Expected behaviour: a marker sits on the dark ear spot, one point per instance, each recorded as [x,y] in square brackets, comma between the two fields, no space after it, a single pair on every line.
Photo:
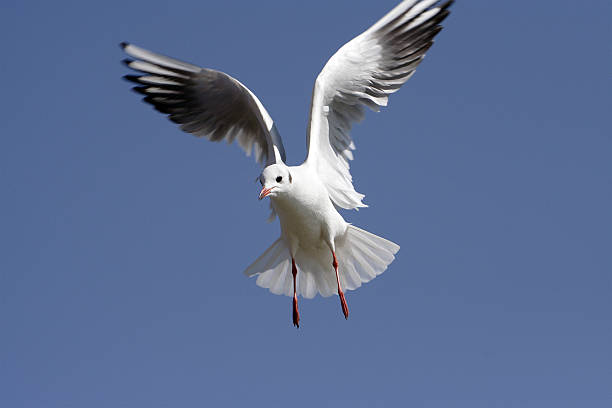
[290,178]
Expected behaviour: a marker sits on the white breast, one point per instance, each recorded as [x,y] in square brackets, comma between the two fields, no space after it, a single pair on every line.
[306,214]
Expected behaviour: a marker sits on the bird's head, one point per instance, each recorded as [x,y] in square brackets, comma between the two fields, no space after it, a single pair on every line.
[275,180]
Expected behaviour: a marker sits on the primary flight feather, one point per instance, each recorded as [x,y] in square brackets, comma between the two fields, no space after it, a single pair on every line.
[317,252]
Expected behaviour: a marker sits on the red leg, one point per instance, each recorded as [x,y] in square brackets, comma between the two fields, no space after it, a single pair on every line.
[340,292]
[296,313]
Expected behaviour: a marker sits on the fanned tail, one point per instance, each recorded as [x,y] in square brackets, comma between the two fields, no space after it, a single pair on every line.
[361,256]
[274,269]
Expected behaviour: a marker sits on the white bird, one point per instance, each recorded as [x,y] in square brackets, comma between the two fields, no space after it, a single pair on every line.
[315,240]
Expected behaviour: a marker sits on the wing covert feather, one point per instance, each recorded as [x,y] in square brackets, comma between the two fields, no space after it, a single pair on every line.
[364,72]
[205,102]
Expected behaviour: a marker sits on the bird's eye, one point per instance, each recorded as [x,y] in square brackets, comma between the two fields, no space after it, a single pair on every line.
[279,179]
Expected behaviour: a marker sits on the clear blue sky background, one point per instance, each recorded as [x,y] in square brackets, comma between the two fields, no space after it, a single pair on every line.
[123,240]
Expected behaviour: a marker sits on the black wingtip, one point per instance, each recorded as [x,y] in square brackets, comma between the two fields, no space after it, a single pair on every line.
[447,4]
[127,62]
[140,89]
[442,15]
[132,78]
[123,45]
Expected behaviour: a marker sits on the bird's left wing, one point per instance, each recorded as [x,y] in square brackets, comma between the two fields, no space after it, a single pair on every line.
[363,73]
[205,102]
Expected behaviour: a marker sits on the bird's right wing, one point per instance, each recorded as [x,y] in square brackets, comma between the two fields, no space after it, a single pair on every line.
[363,73]
[206,103]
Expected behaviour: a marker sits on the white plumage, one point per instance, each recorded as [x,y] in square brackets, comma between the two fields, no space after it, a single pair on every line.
[317,252]
[365,256]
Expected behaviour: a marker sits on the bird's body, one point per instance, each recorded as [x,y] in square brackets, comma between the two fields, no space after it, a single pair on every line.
[306,214]
[315,239]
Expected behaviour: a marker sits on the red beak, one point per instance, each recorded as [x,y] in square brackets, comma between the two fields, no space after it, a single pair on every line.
[264,192]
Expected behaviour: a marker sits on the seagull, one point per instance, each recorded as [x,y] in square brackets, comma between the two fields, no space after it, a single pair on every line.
[317,252]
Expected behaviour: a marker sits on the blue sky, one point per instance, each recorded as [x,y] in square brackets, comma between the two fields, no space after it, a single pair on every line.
[124,240]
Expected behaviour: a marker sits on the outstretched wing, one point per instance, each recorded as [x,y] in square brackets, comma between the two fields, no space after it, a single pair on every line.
[363,73]
[205,102]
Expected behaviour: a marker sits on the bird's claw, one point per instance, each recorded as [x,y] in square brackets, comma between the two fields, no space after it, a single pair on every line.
[296,313]
[345,309]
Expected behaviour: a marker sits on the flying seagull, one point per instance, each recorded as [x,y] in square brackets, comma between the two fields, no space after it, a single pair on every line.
[317,251]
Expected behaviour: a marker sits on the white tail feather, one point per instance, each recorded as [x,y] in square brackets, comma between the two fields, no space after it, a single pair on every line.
[361,257]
